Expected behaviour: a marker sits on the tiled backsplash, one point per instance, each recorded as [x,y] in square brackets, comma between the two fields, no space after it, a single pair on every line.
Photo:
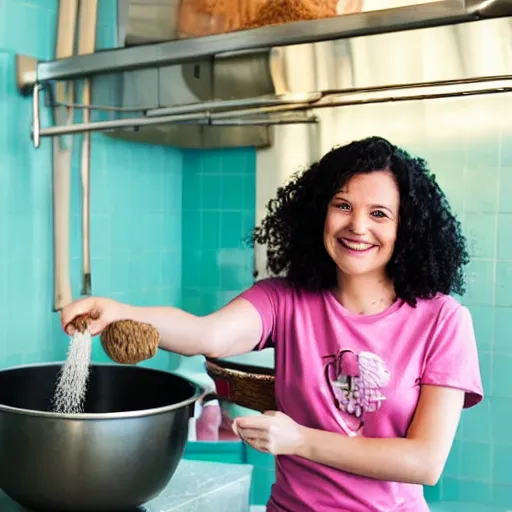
[218,214]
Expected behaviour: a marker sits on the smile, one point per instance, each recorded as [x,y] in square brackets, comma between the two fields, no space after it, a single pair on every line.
[355,246]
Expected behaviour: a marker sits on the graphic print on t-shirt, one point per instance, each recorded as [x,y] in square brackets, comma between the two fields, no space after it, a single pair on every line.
[355,381]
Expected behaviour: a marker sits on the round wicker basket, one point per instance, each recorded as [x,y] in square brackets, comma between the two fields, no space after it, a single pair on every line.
[247,386]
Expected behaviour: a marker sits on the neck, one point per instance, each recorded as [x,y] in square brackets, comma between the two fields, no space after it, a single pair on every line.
[365,295]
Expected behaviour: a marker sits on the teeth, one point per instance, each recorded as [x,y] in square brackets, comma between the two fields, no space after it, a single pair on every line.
[356,246]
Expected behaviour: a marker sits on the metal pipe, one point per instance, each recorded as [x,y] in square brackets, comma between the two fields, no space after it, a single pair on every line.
[264,122]
[99,108]
[249,112]
[263,101]
[118,123]
[417,85]
[150,111]
[412,97]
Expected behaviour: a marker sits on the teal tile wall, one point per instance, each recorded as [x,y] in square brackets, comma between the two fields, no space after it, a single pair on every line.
[476,174]
[218,214]
[136,195]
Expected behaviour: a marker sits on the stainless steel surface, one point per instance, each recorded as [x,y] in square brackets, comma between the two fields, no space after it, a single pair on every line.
[200,135]
[432,14]
[147,21]
[237,76]
[118,455]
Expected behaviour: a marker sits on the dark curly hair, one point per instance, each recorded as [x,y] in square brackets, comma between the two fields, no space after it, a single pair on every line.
[430,250]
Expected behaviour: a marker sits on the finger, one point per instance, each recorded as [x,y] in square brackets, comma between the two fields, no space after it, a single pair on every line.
[254,422]
[94,314]
[271,413]
[65,323]
[95,328]
[259,445]
[79,308]
[249,433]
[69,313]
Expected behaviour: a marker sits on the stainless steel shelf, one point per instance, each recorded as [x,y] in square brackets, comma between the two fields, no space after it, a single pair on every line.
[432,14]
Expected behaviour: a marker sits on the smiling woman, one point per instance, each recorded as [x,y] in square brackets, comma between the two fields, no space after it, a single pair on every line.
[374,358]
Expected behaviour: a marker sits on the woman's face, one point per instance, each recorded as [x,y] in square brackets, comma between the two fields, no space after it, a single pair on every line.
[361,224]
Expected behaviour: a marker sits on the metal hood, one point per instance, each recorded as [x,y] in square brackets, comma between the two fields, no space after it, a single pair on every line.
[230,89]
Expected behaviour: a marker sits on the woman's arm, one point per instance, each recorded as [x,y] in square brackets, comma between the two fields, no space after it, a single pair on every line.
[419,458]
[233,329]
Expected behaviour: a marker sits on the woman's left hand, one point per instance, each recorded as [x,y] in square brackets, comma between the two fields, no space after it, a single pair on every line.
[273,432]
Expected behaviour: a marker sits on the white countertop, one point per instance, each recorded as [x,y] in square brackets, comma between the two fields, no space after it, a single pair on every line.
[196,486]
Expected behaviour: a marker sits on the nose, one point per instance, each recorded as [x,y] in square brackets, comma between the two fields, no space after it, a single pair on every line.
[358,223]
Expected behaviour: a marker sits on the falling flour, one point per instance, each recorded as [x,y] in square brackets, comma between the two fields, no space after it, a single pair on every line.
[73,377]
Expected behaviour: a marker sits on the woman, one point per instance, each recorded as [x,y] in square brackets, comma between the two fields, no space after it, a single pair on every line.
[374,359]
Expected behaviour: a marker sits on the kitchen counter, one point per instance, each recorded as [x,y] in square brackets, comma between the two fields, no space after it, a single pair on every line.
[196,485]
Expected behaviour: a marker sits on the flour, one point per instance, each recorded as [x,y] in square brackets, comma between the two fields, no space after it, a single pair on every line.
[73,377]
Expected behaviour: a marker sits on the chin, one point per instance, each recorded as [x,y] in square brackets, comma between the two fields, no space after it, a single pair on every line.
[354,270]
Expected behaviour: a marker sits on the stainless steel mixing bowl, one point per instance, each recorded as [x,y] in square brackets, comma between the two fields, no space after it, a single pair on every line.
[116,456]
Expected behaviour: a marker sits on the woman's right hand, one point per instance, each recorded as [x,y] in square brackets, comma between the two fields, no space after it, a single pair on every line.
[101,312]
[234,329]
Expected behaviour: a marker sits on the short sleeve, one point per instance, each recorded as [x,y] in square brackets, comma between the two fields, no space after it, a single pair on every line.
[452,358]
[265,297]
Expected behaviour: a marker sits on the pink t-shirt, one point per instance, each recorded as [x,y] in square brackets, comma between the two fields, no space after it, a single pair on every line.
[336,369]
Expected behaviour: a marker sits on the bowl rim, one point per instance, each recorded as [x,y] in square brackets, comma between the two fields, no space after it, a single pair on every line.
[200,393]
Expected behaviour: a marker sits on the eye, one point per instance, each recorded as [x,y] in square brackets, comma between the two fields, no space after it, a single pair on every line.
[379,214]
[342,206]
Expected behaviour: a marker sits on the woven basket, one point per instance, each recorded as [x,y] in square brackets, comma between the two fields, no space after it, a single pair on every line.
[247,386]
